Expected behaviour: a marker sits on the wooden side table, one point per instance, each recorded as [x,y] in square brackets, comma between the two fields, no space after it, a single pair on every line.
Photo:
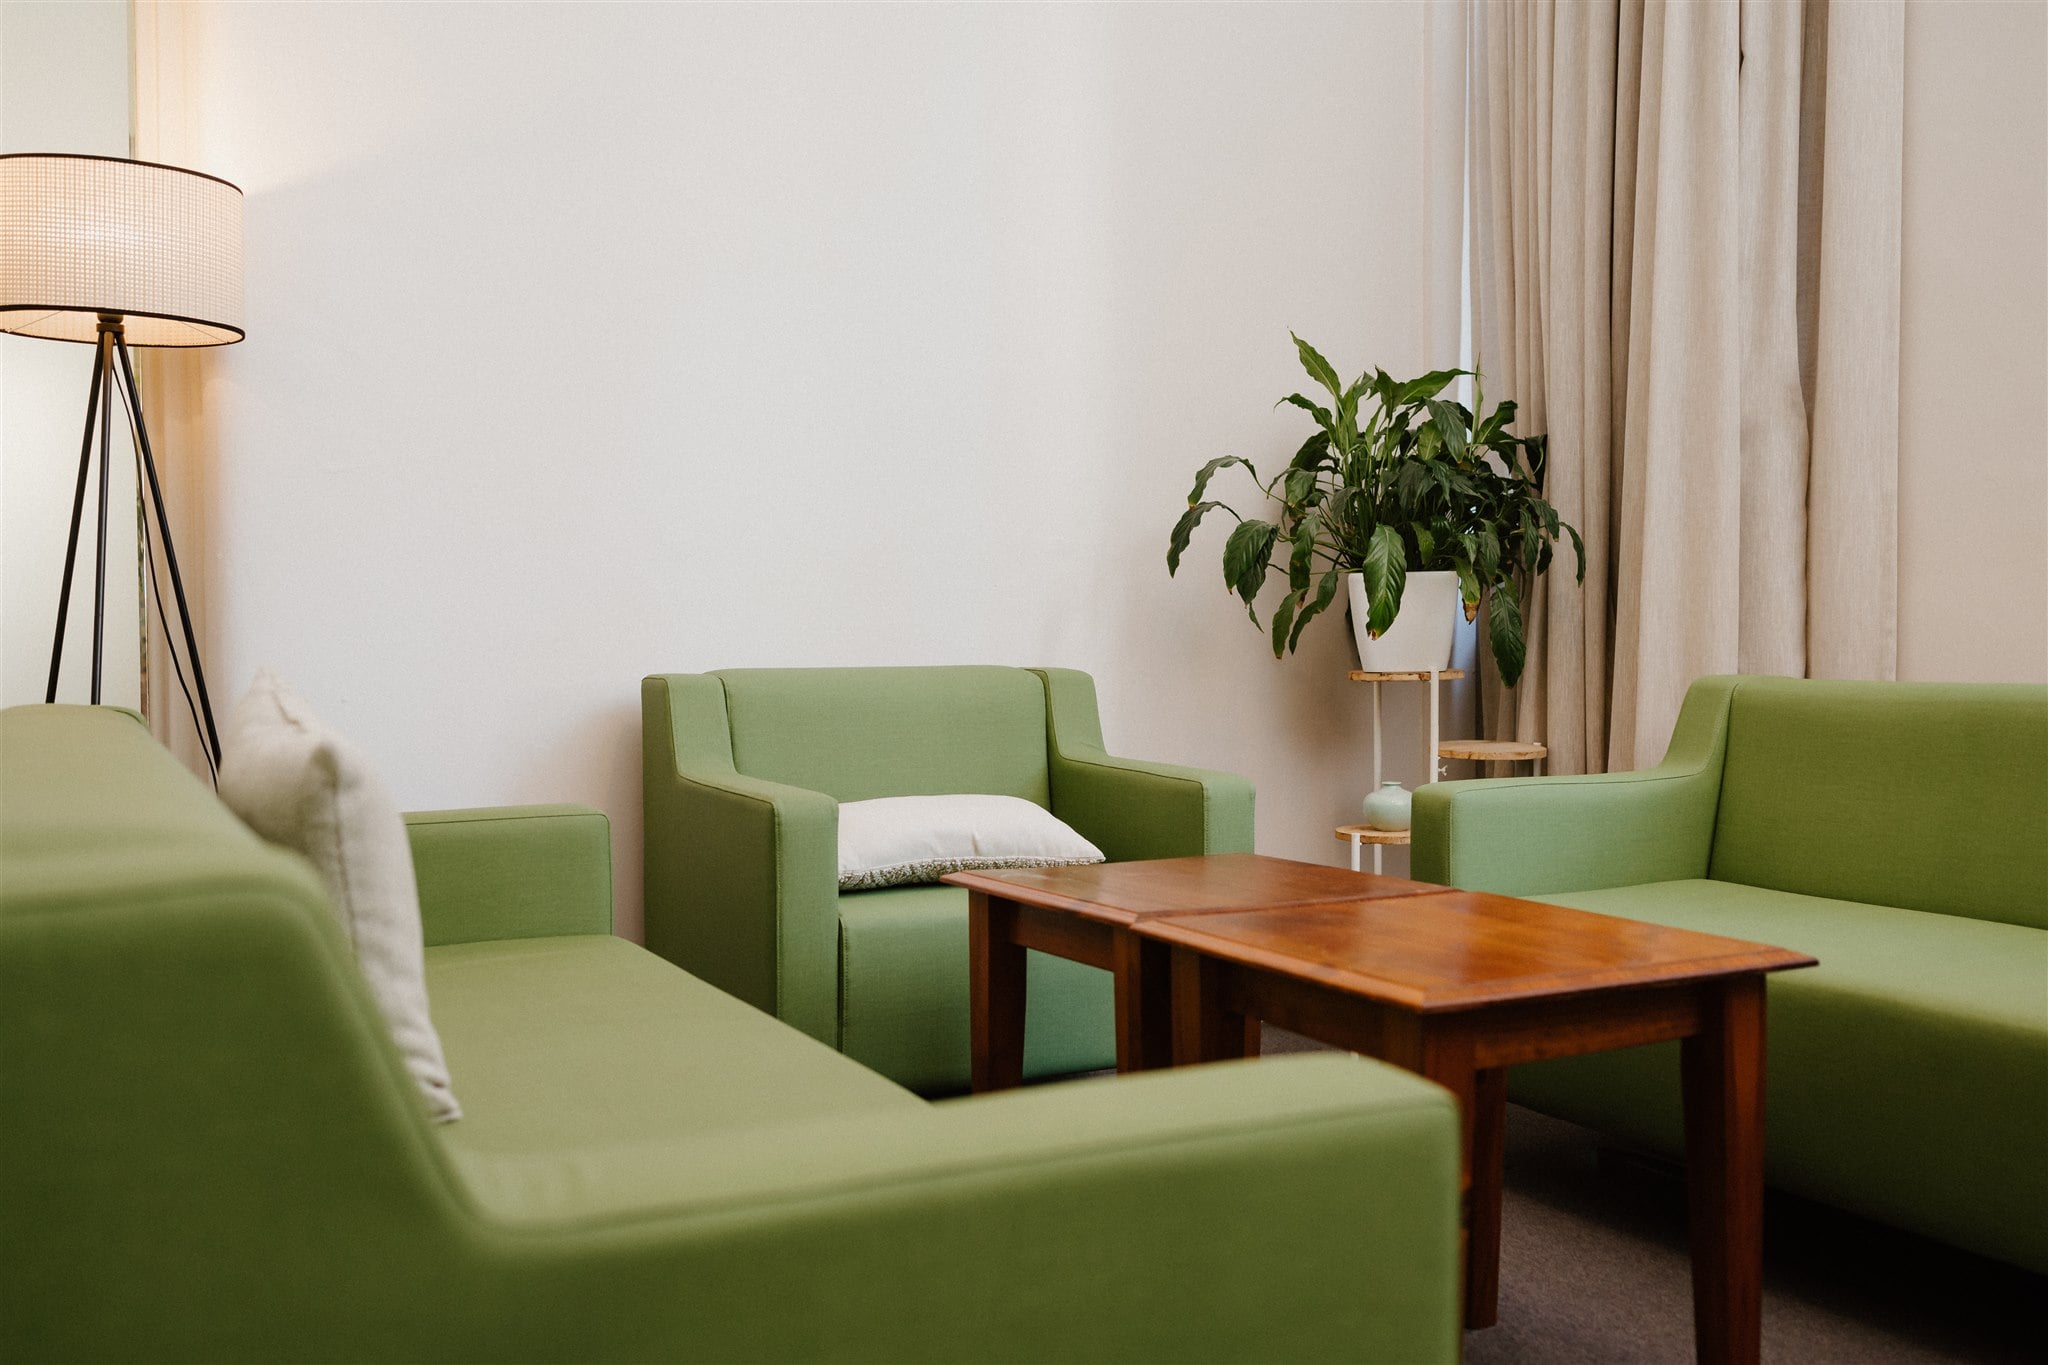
[1085,914]
[1458,986]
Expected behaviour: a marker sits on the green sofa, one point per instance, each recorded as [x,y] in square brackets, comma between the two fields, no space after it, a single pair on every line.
[1897,832]
[742,775]
[210,1149]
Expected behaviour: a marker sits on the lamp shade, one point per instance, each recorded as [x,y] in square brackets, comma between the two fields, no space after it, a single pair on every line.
[86,235]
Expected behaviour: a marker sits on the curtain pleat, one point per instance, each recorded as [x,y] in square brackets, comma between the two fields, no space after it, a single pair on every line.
[1852,607]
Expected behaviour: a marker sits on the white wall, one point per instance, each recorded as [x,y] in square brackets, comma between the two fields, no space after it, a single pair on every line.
[588,342]
[63,88]
[1973,345]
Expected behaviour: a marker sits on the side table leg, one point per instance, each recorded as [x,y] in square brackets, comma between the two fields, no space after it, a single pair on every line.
[1723,1069]
[995,994]
[1144,1004]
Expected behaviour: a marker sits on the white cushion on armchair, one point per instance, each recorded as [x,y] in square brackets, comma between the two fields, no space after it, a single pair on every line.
[900,840]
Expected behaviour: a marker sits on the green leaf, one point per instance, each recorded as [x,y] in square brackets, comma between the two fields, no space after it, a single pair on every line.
[1297,486]
[1321,414]
[1486,555]
[1183,530]
[1449,421]
[1246,555]
[1314,452]
[1282,620]
[1318,368]
[1208,471]
[1359,388]
[1315,606]
[1301,562]
[1411,483]
[1386,574]
[1385,389]
[1425,543]
[1490,430]
[1504,630]
[1427,386]
[1579,546]
[1468,589]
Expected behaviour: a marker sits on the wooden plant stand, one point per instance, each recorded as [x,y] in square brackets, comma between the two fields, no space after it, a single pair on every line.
[1472,750]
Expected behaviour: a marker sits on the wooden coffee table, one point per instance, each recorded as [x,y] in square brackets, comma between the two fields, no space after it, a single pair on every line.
[1458,986]
[1085,914]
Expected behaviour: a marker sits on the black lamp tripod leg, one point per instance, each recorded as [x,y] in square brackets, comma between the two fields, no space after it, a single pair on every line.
[163,524]
[99,578]
[92,408]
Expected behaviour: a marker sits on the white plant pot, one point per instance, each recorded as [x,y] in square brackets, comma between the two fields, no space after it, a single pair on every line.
[1423,632]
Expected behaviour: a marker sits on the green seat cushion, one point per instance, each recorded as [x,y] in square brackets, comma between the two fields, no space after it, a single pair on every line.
[1908,1072]
[569,1043]
[1928,796]
[859,733]
[903,994]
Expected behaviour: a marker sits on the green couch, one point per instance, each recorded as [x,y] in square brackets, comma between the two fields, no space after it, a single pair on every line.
[210,1149]
[1898,832]
[742,775]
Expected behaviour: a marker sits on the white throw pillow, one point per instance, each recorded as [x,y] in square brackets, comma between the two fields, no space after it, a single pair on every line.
[299,784]
[898,840]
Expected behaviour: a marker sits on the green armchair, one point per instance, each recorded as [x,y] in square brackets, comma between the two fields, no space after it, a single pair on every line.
[743,772]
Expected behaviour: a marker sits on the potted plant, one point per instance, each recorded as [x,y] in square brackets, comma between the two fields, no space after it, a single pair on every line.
[1420,501]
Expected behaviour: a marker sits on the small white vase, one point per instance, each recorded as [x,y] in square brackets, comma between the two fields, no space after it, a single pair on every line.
[1423,631]
[1390,808]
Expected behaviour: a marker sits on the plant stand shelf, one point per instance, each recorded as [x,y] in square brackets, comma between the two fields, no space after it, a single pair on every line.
[1358,836]
[1442,675]
[1366,834]
[1494,751]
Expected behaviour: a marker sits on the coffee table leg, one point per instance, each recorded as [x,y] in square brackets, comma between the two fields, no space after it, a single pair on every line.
[1482,1216]
[995,994]
[1723,1067]
[1204,1028]
[1144,1004]
[1444,1055]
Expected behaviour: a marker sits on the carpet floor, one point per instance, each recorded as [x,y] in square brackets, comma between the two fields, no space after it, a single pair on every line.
[1595,1269]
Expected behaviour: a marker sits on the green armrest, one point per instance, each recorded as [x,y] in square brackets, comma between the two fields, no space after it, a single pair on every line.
[512,872]
[750,899]
[1533,835]
[1131,809]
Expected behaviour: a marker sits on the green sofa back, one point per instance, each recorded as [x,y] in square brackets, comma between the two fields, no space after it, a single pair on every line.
[140,1158]
[1926,796]
[859,733]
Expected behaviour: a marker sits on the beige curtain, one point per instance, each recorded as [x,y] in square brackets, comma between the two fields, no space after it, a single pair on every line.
[1685,268]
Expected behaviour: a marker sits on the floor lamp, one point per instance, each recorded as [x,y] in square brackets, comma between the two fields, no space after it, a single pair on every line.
[115,253]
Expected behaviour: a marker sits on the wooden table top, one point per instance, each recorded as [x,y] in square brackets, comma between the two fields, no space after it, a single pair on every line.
[1125,893]
[1457,950]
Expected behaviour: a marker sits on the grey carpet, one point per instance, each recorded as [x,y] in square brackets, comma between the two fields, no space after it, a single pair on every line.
[1594,1268]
